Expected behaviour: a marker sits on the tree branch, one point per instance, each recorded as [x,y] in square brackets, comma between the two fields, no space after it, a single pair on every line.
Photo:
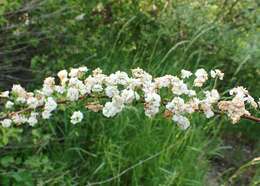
[246,117]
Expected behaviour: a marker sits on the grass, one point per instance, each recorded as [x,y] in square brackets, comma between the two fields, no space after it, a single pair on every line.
[129,149]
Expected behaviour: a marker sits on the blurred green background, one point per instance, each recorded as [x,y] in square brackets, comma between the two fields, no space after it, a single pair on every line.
[40,37]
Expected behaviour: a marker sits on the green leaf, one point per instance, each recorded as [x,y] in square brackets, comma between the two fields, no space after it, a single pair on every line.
[7,160]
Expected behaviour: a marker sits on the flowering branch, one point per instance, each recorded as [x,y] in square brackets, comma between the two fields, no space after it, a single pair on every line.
[9,115]
[184,93]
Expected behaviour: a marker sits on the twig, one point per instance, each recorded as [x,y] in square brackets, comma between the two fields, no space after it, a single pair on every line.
[252,118]
[247,117]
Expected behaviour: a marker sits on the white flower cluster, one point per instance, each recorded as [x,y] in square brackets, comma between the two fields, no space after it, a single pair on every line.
[76,117]
[201,77]
[50,105]
[178,107]
[235,108]
[6,123]
[212,97]
[217,74]
[115,106]
[121,90]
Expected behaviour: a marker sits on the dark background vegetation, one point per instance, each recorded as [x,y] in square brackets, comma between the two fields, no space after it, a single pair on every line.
[40,37]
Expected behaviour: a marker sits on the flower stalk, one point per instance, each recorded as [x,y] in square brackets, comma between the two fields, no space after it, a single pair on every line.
[185,95]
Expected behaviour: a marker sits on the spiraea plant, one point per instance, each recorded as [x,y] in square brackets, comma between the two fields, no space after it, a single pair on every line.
[176,97]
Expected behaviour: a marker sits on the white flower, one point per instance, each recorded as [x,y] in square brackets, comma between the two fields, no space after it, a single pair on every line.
[32,120]
[90,82]
[18,119]
[201,77]
[73,94]
[191,93]
[63,76]
[50,104]
[21,100]
[212,96]
[209,113]
[9,104]
[217,74]
[111,80]
[149,87]
[112,108]
[74,72]
[152,104]
[164,81]
[142,75]
[6,123]
[185,74]
[251,101]
[182,121]
[118,101]
[83,69]
[192,105]
[32,102]
[239,91]
[97,72]
[121,78]
[213,74]
[76,117]
[19,91]
[77,72]
[4,94]
[128,95]
[176,106]
[206,107]
[49,81]
[201,73]
[74,81]
[47,90]
[206,104]
[40,97]
[111,91]
[179,87]
[134,83]
[59,89]
[83,89]
[234,108]
[109,110]
[242,94]
[78,84]
[46,114]
[97,88]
